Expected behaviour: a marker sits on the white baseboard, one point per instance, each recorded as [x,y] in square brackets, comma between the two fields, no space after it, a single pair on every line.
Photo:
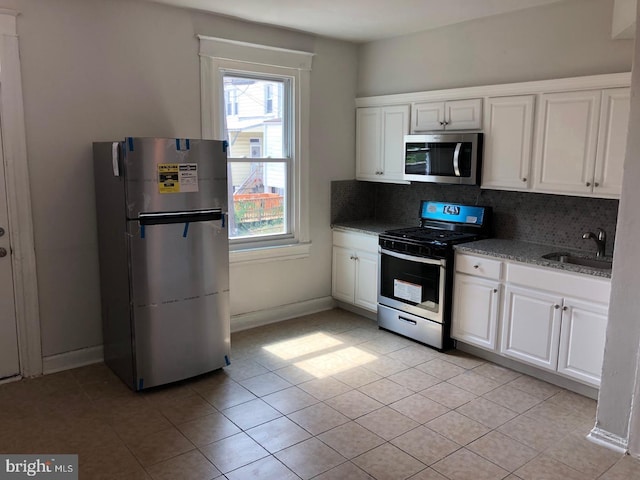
[550,377]
[87,356]
[608,440]
[73,359]
[245,321]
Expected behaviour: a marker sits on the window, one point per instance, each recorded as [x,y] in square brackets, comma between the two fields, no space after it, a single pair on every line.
[255,147]
[268,98]
[231,101]
[259,205]
[256,97]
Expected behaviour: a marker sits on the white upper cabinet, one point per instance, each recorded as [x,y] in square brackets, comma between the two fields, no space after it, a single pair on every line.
[565,151]
[380,135]
[612,141]
[508,129]
[452,115]
[563,136]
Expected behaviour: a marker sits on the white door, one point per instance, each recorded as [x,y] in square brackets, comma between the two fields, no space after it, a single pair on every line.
[508,128]
[567,133]
[427,116]
[368,143]
[475,311]
[366,289]
[9,362]
[395,125]
[463,114]
[531,326]
[582,338]
[612,141]
[343,274]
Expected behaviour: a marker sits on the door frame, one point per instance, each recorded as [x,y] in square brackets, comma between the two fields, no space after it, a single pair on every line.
[23,256]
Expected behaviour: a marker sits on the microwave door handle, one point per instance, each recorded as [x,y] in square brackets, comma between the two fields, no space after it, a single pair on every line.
[456,159]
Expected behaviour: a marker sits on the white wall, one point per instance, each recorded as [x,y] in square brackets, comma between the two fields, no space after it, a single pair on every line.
[96,70]
[566,39]
[620,375]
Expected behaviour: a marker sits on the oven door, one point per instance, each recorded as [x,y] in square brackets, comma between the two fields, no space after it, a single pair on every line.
[412,284]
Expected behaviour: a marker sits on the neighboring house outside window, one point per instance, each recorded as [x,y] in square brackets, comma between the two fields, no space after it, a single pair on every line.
[259,103]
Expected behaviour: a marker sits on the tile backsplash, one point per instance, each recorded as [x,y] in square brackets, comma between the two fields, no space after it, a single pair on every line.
[558,220]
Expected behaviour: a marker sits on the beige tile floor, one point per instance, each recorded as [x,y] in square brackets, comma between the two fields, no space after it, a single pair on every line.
[326,396]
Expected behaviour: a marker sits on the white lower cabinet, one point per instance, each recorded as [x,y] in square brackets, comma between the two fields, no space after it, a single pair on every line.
[354,275]
[582,338]
[475,310]
[550,319]
[476,300]
[531,326]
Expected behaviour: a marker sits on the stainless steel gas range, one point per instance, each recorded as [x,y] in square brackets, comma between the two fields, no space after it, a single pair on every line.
[416,270]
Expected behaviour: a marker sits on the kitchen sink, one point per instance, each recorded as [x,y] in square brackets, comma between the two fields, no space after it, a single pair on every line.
[564,257]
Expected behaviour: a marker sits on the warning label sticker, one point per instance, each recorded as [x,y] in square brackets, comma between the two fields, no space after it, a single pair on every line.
[177,178]
[188,177]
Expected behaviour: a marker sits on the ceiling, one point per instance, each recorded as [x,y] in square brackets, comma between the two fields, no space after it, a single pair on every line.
[358,20]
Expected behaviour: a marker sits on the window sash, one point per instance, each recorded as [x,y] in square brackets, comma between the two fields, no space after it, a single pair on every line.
[289,224]
[288,116]
[219,53]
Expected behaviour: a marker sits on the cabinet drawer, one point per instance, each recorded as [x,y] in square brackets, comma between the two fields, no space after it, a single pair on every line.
[479,266]
[595,289]
[356,241]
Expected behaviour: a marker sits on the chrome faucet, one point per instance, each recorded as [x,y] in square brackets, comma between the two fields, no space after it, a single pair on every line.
[600,239]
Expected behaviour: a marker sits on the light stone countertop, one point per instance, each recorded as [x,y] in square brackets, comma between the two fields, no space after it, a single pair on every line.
[514,250]
[530,253]
[370,227]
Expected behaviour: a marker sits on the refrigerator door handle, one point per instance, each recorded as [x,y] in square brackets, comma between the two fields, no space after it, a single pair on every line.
[159,218]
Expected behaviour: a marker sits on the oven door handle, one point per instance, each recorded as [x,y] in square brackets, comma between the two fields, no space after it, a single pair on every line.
[430,261]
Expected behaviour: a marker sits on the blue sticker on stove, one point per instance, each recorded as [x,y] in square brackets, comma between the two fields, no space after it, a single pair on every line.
[452,212]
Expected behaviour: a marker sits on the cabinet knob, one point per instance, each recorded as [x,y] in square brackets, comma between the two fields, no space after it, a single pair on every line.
[556,307]
[596,184]
[588,184]
[495,290]
[524,179]
[564,309]
[476,266]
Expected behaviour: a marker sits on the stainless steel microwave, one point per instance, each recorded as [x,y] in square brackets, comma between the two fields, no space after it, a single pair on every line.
[443,158]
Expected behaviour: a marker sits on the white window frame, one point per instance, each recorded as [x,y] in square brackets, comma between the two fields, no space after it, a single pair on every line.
[218,55]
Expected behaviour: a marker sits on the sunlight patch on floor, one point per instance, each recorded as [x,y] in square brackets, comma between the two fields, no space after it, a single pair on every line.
[325,363]
[301,346]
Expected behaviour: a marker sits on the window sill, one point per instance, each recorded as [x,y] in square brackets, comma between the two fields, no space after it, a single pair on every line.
[270,254]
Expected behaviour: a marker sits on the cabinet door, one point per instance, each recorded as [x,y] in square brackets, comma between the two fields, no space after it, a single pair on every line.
[567,130]
[366,282]
[395,125]
[427,117]
[531,326]
[343,274]
[508,140]
[463,114]
[475,311]
[582,339]
[368,143]
[612,142]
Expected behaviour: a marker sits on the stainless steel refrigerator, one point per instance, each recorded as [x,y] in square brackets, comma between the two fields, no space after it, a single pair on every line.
[164,257]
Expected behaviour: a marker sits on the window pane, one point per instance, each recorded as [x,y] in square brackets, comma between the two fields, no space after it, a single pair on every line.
[254,110]
[258,199]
